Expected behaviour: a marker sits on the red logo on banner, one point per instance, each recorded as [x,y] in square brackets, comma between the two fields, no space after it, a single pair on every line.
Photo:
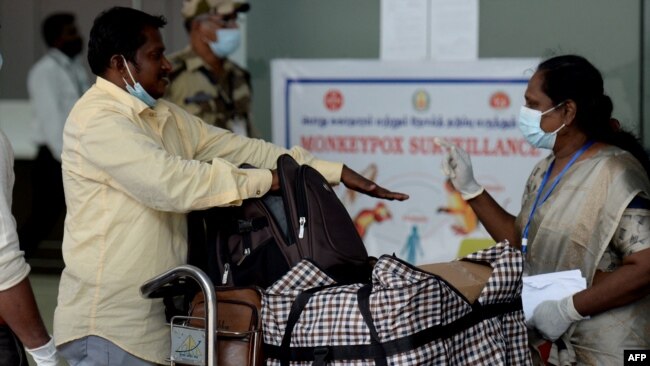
[421,100]
[500,100]
[333,100]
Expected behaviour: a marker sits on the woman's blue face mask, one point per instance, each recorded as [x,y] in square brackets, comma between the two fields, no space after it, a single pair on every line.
[530,121]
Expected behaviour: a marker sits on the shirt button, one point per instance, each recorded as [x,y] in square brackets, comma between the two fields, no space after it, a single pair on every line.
[258,192]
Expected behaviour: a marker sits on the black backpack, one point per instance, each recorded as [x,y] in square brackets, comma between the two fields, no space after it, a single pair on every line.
[258,242]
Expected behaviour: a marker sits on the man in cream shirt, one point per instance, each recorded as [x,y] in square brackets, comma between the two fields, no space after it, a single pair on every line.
[133,166]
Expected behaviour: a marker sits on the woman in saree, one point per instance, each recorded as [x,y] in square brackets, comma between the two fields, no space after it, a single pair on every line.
[585,206]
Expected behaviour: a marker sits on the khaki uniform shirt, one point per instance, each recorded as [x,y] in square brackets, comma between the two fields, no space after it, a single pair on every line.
[222,100]
[130,174]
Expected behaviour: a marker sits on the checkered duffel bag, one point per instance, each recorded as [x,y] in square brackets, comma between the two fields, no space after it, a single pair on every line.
[404,317]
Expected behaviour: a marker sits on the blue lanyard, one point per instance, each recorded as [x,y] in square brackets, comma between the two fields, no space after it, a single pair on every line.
[524,239]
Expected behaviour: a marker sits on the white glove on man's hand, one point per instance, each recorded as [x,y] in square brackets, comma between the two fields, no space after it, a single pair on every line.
[45,355]
[553,317]
[457,165]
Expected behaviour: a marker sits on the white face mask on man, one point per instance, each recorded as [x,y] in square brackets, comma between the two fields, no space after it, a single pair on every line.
[137,90]
[530,121]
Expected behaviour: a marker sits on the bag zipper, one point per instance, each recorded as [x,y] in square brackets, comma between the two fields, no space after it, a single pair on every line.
[226,270]
[247,252]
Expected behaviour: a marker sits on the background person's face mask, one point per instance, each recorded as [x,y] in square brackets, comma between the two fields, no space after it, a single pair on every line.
[227,42]
[530,121]
[137,90]
[72,47]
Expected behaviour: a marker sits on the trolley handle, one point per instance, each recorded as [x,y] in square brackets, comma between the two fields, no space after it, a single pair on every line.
[150,287]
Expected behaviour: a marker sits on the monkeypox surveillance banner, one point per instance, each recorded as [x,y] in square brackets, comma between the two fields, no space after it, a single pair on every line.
[382,119]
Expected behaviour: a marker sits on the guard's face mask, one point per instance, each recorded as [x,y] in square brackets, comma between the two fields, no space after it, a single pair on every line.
[228,40]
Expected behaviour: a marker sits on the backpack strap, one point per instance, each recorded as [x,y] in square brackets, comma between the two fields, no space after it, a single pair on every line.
[246,227]
[255,224]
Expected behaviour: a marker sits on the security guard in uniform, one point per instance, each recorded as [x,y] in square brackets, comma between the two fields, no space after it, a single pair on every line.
[203,80]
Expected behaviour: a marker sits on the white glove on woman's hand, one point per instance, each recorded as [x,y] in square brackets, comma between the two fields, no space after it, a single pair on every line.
[553,317]
[45,355]
[457,165]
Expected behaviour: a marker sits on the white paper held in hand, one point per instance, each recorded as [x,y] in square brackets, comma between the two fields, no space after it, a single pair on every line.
[550,286]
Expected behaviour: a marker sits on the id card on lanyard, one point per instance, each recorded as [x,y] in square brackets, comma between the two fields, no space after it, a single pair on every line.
[538,202]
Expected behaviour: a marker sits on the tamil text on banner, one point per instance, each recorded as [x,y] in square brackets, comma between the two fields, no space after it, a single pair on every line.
[382,118]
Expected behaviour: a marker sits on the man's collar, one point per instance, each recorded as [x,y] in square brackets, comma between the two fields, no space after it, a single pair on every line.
[122,95]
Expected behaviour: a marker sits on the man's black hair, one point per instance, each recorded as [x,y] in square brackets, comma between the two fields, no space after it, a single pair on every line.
[53,25]
[118,31]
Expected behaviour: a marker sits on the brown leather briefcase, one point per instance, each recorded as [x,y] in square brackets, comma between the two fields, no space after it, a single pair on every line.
[239,324]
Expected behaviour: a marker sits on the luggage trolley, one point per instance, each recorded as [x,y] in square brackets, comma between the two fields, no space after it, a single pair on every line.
[182,335]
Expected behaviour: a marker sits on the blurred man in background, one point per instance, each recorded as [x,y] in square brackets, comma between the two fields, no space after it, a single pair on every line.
[203,80]
[54,83]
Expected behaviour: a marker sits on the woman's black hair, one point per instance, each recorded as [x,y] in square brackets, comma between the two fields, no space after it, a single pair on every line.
[118,31]
[573,77]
